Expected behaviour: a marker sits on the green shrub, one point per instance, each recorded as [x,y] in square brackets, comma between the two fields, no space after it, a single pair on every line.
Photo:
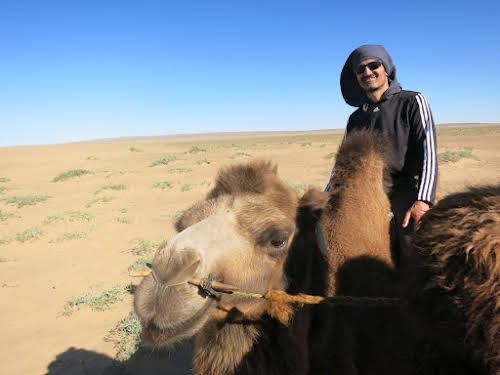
[330,155]
[100,200]
[26,200]
[180,170]
[134,149]
[203,161]
[163,184]
[126,336]
[111,187]
[70,174]
[96,301]
[195,149]
[164,161]
[29,234]
[454,156]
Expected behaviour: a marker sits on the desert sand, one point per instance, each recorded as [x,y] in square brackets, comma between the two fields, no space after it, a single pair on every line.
[63,240]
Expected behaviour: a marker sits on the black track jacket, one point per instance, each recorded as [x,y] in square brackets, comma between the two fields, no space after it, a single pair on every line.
[406,120]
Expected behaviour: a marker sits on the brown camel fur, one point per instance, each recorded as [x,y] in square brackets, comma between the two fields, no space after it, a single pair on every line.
[251,231]
[246,232]
[457,283]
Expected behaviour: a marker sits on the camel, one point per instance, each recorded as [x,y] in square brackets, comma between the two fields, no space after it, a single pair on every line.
[253,232]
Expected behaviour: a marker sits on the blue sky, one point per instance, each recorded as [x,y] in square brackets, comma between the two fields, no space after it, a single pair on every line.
[77,70]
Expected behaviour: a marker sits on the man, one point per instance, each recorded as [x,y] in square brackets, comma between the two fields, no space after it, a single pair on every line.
[368,81]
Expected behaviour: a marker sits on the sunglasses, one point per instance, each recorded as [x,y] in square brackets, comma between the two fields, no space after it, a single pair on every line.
[371,65]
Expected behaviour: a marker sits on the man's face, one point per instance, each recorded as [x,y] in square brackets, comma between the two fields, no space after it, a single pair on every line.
[371,80]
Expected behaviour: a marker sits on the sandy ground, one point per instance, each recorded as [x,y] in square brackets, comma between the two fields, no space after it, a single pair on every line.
[40,275]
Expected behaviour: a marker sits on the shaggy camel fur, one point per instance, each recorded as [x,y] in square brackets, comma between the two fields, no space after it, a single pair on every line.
[246,234]
[457,283]
[252,232]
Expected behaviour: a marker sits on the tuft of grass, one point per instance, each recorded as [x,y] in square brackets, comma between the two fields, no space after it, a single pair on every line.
[91,157]
[177,214]
[4,240]
[196,149]
[3,189]
[306,144]
[75,235]
[180,170]
[96,301]
[143,246]
[123,220]
[454,156]
[126,336]
[26,200]
[4,259]
[322,145]
[111,187]
[298,187]
[163,184]
[69,216]
[29,234]
[186,187]
[203,161]
[100,200]
[134,149]
[70,174]
[330,155]
[145,249]
[7,215]
[4,179]
[123,210]
[164,161]
[243,154]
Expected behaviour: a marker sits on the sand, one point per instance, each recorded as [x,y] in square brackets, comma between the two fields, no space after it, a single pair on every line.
[85,231]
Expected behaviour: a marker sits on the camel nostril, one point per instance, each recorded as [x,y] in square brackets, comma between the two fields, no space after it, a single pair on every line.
[176,267]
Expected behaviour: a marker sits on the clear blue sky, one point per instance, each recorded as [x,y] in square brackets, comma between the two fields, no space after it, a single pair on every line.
[76,70]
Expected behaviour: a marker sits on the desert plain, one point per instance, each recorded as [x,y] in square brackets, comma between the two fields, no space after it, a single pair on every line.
[76,219]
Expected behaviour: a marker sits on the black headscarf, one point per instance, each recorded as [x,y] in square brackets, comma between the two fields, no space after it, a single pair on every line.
[351,90]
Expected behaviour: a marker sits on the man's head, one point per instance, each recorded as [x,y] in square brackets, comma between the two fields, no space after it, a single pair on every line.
[368,68]
[371,75]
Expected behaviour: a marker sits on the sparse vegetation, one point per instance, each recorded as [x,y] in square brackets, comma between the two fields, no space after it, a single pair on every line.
[123,220]
[123,210]
[134,149]
[91,157]
[164,161]
[177,214]
[203,161]
[163,184]
[322,145]
[454,156]
[238,154]
[26,200]
[126,336]
[69,216]
[196,149]
[100,200]
[96,301]
[29,234]
[299,188]
[4,179]
[7,215]
[306,144]
[70,174]
[74,235]
[143,246]
[186,187]
[180,170]
[111,187]
[330,155]
[4,240]
[3,189]
[4,259]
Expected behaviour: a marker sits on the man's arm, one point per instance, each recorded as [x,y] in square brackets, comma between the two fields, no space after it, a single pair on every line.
[426,137]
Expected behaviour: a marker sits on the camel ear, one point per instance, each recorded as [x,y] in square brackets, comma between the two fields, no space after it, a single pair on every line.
[311,206]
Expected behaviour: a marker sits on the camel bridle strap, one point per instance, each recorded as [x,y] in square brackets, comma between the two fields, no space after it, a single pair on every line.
[279,302]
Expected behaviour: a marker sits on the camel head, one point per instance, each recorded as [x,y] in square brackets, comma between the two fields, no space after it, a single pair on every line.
[241,234]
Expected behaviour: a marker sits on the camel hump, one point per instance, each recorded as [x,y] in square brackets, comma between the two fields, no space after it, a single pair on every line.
[252,177]
[360,144]
[363,150]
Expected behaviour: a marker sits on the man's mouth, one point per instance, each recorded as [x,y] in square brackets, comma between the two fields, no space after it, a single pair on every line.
[369,78]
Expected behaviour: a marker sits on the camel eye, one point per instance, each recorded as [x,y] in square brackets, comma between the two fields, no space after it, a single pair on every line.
[278,243]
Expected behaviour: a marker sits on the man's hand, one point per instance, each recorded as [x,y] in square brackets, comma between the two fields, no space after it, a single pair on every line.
[416,211]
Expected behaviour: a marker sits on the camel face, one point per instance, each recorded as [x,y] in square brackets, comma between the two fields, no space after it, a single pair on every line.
[240,234]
